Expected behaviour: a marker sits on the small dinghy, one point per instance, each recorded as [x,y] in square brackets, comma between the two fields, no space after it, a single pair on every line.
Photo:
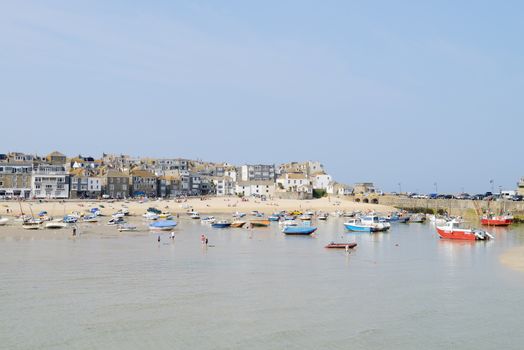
[55,225]
[334,245]
[126,228]
[298,230]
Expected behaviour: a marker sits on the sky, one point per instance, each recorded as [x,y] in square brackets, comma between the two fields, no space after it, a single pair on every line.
[415,93]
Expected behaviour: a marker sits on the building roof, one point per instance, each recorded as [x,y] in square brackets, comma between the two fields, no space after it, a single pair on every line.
[142,173]
[55,154]
[114,173]
[251,183]
[296,176]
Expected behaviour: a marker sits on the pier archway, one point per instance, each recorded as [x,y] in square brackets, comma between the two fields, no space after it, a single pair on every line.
[357,200]
[365,200]
[374,201]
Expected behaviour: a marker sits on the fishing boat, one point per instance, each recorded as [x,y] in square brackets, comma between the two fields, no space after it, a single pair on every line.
[305,217]
[195,216]
[163,225]
[496,220]
[208,220]
[239,215]
[298,230]
[3,221]
[221,224]
[334,245]
[55,225]
[452,230]
[95,211]
[126,228]
[238,223]
[260,223]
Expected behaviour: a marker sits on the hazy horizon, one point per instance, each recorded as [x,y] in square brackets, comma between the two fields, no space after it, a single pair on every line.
[403,92]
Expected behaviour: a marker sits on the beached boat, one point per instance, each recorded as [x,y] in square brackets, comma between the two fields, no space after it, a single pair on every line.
[163,225]
[239,215]
[90,218]
[238,224]
[288,223]
[195,216]
[221,224]
[126,228]
[3,221]
[496,220]
[32,224]
[305,217]
[322,216]
[273,218]
[151,216]
[260,223]
[116,221]
[298,230]
[70,219]
[334,245]
[417,218]
[452,230]
[55,225]
[165,215]
[95,211]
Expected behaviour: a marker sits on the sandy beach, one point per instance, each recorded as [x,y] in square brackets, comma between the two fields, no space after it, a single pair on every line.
[212,205]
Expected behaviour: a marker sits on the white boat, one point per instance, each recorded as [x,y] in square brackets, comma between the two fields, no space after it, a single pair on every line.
[208,220]
[126,228]
[32,224]
[3,221]
[90,218]
[195,216]
[151,216]
[118,214]
[55,225]
[116,221]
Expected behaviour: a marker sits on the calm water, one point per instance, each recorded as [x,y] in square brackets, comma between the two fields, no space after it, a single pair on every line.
[405,289]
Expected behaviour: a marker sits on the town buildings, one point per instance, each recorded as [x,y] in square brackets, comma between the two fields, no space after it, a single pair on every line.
[115,184]
[15,175]
[258,172]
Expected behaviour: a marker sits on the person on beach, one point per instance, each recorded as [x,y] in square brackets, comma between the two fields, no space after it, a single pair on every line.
[207,241]
[74,231]
[158,238]
[172,235]
[203,238]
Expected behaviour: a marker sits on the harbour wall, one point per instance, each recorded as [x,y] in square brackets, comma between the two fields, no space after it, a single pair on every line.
[452,206]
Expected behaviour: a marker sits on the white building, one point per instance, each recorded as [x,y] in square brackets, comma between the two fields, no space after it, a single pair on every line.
[50,181]
[338,189]
[255,188]
[321,181]
[258,172]
[294,182]
[224,186]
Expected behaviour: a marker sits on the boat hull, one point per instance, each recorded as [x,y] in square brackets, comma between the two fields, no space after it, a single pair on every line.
[463,235]
[496,221]
[220,225]
[260,223]
[297,230]
[358,228]
[341,245]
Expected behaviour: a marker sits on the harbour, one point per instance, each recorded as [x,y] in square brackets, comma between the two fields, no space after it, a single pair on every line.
[400,288]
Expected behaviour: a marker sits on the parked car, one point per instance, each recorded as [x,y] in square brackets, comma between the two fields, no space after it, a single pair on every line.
[517,198]
[478,197]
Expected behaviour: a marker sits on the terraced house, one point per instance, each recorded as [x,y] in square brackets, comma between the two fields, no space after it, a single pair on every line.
[115,184]
[143,183]
[15,175]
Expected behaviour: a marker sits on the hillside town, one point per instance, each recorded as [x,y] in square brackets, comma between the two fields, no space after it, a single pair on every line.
[57,176]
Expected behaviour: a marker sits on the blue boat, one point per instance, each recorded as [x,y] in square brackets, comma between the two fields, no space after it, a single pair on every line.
[69,219]
[357,226]
[298,230]
[273,218]
[163,225]
[221,224]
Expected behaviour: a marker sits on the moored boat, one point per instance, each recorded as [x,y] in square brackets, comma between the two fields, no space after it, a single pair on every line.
[334,245]
[498,220]
[298,230]
[452,230]
[195,216]
[208,220]
[90,218]
[238,224]
[126,228]
[260,223]
[273,218]
[221,224]
[163,225]
[3,221]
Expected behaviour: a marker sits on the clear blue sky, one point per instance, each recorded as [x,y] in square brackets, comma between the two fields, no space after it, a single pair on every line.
[415,92]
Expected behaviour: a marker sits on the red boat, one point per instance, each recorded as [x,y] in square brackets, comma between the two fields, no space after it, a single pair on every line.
[500,220]
[334,245]
[452,231]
